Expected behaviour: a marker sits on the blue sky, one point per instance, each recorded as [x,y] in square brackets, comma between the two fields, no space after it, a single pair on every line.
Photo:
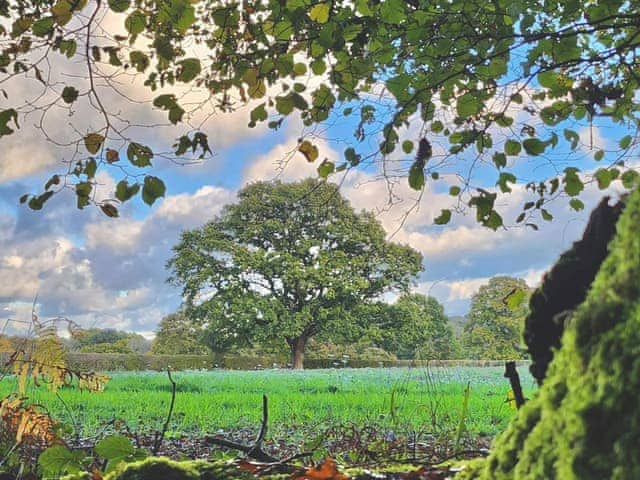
[107,272]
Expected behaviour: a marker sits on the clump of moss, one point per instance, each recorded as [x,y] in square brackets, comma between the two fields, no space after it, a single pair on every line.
[155,468]
[584,424]
[161,468]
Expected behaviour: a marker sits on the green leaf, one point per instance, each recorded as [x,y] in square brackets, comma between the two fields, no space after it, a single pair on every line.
[135,23]
[36,203]
[454,191]
[572,183]
[283,30]
[90,168]
[69,94]
[299,69]
[392,11]
[326,168]
[139,155]
[629,178]
[352,157]
[548,79]
[625,141]
[599,155]
[109,210]
[494,221]
[139,60]
[5,117]
[68,48]
[309,150]
[416,175]
[54,180]
[284,105]
[189,69]
[58,460]
[576,204]
[546,215]
[572,137]
[119,6]
[320,12]
[504,180]
[258,90]
[43,27]
[500,159]
[534,146]
[114,446]
[318,67]
[437,126]
[604,178]
[468,105]
[407,146]
[258,114]
[152,189]
[515,299]
[512,147]
[93,142]
[124,191]
[443,218]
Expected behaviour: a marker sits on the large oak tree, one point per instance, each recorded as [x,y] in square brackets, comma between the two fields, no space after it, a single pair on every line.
[286,262]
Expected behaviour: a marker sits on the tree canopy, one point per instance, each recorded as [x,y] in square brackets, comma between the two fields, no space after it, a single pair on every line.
[177,335]
[456,87]
[285,263]
[415,326]
[496,320]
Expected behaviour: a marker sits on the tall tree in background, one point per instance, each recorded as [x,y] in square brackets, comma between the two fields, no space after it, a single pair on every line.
[285,263]
[413,327]
[496,320]
[178,335]
[488,80]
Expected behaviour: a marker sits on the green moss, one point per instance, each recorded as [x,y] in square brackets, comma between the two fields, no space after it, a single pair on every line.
[77,476]
[155,468]
[160,468]
[471,468]
[584,424]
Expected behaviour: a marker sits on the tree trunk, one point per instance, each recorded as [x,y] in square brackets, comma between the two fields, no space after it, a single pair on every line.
[297,346]
[584,421]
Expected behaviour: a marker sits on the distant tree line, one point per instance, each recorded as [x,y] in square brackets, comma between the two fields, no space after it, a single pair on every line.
[413,327]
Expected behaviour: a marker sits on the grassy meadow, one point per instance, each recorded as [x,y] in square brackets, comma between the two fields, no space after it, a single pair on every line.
[399,399]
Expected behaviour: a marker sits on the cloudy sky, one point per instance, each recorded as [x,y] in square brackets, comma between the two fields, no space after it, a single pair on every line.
[108,272]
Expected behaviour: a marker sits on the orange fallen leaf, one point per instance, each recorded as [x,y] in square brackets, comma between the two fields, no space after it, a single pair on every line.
[327,470]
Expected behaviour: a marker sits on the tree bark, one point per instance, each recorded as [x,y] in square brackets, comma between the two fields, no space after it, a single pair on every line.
[297,346]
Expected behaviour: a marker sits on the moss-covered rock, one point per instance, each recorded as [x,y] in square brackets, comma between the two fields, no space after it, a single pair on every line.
[160,468]
[584,423]
[565,287]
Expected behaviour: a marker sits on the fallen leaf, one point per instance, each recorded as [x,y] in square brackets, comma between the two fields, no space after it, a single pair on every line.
[327,470]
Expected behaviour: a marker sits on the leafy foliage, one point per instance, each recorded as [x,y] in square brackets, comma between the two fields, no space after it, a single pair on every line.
[414,327]
[491,81]
[41,361]
[287,262]
[178,335]
[496,320]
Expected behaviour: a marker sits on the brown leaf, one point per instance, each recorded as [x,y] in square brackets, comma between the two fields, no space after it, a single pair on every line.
[309,150]
[327,470]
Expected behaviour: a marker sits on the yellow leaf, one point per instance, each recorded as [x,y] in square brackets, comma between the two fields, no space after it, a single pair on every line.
[309,150]
[93,142]
[320,13]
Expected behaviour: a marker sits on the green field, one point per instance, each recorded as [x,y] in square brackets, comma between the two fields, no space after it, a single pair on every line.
[405,400]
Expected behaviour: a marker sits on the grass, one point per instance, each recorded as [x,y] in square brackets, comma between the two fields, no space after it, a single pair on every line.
[398,399]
